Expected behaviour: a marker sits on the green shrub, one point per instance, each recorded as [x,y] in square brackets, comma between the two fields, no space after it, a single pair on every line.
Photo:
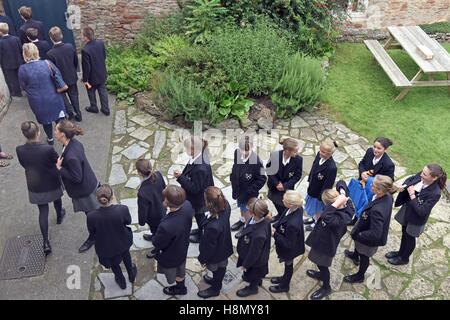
[167,48]
[232,102]
[438,27]
[252,57]
[300,86]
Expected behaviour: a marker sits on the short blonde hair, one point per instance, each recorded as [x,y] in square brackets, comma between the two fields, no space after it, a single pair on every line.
[4,28]
[289,144]
[329,196]
[26,12]
[293,198]
[329,145]
[30,52]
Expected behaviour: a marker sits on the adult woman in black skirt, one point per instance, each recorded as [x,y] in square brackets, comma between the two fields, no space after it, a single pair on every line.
[195,178]
[171,240]
[215,245]
[419,195]
[327,233]
[253,247]
[289,238]
[283,170]
[371,230]
[150,200]
[77,175]
[113,237]
[43,179]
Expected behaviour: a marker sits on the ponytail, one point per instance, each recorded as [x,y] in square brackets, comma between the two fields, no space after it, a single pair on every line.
[69,129]
[145,168]
[438,172]
[104,194]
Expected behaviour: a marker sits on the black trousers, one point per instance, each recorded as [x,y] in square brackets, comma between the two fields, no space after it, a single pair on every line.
[128,265]
[217,280]
[72,107]
[407,245]
[48,129]
[12,80]
[103,94]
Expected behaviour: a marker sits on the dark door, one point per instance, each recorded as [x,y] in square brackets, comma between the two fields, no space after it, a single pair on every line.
[50,12]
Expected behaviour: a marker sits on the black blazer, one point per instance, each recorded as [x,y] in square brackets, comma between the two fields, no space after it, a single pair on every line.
[418,210]
[288,175]
[43,47]
[384,167]
[195,179]
[65,58]
[215,244]
[247,178]
[31,24]
[10,52]
[321,177]
[373,227]
[109,224]
[78,177]
[9,22]
[289,235]
[94,62]
[39,162]
[253,245]
[171,240]
[150,201]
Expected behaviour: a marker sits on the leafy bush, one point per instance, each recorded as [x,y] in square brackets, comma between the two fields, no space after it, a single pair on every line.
[300,86]
[232,102]
[168,47]
[438,27]
[252,57]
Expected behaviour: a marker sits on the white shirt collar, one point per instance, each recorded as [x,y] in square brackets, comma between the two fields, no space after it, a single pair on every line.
[375,160]
[374,197]
[246,159]
[192,160]
[288,212]
[322,161]
[34,41]
[59,42]
[285,162]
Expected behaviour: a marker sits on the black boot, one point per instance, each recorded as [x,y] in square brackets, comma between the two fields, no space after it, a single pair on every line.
[132,277]
[279,288]
[352,255]
[177,290]
[121,282]
[276,280]
[86,245]
[247,291]
[47,248]
[208,293]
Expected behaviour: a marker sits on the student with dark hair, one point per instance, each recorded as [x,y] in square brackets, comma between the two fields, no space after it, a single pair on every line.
[150,199]
[215,245]
[10,59]
[27,16]
[195,178]
[42,45]
[65,58]
[253,247]
[284,170]
[171,240]
[93,62]
[377,161]
[77,175]
[43,179]
[247,178]
[419,194]
[113,237]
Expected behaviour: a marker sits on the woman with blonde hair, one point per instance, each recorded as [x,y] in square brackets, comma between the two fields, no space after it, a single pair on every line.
[289,239]
[35,77]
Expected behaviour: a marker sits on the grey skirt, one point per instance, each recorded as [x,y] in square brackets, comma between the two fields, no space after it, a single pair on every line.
[172,273]
[40,198]
[320,259]
[86,204]
[411,229]
[365,250]
[214,266]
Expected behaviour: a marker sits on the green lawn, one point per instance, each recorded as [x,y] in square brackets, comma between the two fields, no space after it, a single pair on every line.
[361,96]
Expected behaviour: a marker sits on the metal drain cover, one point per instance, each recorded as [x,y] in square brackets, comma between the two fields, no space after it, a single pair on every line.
[22,257]
[228,278]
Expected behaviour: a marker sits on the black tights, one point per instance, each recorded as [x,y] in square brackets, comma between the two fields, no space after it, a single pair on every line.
[128,265]
[288,272]
[407,245]
[43,216]
[363,263]
[324,276]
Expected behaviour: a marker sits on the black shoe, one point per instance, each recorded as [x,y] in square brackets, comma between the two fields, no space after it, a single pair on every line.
[353,222]
[151,255]
[278,289]
[354,278]
[313,274]
[132,277]
[47,248]
[148,237]
[86,246]
[237,226]
[247,291]
[121,282]
[351,255]
[195,238]
[60,218]
[194,232]
[51,142]
[309,227]
[78,118]
[208,293]
[175,290]
[392,254]
[308,221]
[320,294]
[91,110]
[208,279]
[276,280]
[106,113]
[398,261]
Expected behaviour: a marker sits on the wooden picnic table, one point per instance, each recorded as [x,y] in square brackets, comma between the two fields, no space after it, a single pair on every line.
[411,39]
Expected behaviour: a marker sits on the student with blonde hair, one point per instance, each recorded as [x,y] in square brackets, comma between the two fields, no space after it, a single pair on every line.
[10,59]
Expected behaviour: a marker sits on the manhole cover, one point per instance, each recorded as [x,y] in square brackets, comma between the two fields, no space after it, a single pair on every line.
[228,278]
[22,257]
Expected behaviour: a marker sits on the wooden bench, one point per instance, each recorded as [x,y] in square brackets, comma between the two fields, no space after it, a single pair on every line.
[394,73]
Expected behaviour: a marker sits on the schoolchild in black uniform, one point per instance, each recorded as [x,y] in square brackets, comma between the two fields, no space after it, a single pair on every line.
[42,45]
[215,245]
[289,238]
[371,230]
[150,199]
[195,178]
[284,170]
[171,240]
[10,59]
[377,161]
[247,178]
[77,175]
[419,195]
[113,237]
[253,247]
[327,233]
[322,176]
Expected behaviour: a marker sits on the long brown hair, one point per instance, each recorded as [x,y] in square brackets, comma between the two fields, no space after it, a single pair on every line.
[69,129]
[438,172]
[215,200]
[145,168]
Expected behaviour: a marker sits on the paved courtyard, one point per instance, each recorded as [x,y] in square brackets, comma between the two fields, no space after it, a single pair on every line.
[137,134]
